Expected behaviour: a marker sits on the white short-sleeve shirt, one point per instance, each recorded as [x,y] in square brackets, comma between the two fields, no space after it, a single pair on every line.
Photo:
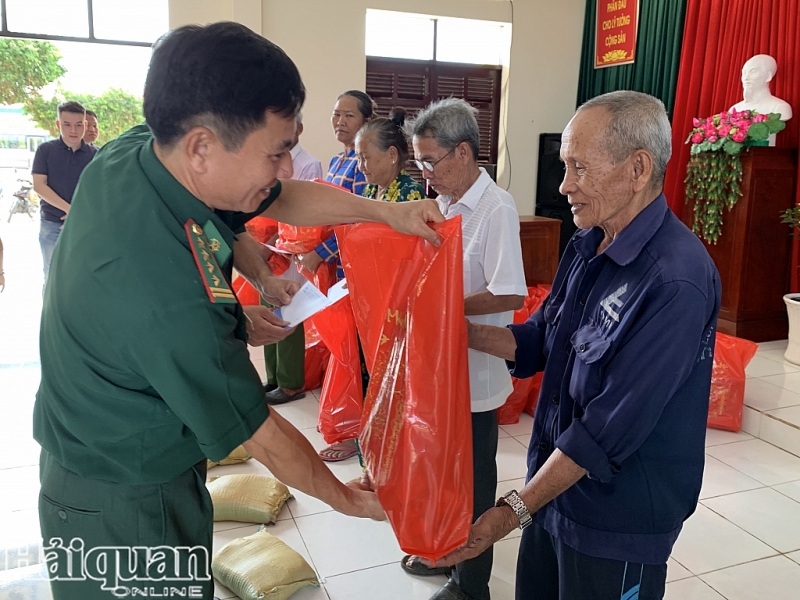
[492,261]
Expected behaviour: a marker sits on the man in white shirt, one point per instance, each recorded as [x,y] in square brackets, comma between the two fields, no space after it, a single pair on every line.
[305,166]
[446,140]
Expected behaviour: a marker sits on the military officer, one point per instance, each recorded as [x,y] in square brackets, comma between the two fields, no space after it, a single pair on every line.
[145,368]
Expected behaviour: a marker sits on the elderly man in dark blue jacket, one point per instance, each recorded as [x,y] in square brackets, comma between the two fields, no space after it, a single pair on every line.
[626,341]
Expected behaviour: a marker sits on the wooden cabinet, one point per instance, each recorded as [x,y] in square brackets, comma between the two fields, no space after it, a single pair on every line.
[753,254]
[539,237]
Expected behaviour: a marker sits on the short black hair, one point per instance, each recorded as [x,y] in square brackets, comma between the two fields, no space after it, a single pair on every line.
[222,76]
[71,106]
[91,113]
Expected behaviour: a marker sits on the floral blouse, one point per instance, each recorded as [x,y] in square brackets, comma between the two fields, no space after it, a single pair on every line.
[404,188]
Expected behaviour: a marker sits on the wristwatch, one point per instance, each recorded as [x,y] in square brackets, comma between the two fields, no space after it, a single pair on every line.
[513,500]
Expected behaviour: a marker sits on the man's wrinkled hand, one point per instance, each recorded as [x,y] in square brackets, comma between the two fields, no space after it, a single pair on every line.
[365,503]
[361,483]
[277,291]
[492,526]
[413,218]
[264,327]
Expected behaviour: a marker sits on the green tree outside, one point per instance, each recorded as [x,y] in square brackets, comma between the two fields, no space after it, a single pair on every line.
[29,66]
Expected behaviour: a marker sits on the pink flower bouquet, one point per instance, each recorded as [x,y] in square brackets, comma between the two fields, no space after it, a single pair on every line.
[733,131]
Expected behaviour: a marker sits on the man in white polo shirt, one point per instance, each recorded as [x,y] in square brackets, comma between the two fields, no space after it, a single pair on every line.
[446,140]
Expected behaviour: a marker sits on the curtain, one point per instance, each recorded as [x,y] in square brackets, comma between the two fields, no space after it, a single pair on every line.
[658,49]
[719,37]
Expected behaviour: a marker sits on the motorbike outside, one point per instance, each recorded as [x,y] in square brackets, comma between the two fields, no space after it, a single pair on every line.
[26,201]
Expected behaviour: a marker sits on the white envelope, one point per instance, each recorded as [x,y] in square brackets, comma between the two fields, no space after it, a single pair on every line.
[308,301]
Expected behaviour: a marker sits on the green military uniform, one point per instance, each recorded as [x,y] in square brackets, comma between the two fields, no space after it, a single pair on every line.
[145,368]
[285,361]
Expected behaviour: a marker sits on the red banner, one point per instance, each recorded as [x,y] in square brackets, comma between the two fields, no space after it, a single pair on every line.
[615,33]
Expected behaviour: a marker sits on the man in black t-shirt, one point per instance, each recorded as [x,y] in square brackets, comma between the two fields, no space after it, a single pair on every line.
[57,166]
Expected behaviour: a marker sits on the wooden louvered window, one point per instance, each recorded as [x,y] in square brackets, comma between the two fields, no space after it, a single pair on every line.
[413,84]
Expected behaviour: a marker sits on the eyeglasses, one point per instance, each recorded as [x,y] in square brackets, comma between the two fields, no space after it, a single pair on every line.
[425,164]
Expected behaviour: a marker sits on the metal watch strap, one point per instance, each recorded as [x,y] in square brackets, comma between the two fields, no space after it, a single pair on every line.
[513,500]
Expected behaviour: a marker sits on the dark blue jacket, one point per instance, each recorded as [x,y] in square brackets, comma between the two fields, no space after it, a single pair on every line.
[626,343]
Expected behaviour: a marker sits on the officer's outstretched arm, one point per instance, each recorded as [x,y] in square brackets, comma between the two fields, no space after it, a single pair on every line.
[291,459]
[307,203]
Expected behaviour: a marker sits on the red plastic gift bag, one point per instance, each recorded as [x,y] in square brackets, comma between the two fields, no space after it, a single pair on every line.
[323,278]
[519,399]
[246,294]
[416,436]
[262,229]
[316,357]
[725,406]
[299,240]
[341,398]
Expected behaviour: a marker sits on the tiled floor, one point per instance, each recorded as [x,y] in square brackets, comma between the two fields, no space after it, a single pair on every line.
[742,543]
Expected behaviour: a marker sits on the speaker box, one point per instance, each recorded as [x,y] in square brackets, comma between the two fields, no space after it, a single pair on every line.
[551,172]
[568,228]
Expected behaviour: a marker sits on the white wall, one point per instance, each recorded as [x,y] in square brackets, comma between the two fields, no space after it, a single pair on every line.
[326,41]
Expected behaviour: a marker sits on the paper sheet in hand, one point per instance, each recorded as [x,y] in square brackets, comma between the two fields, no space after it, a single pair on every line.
[308,301]
[276,251]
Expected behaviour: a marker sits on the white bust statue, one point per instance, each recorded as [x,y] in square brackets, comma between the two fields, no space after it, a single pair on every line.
[756,75]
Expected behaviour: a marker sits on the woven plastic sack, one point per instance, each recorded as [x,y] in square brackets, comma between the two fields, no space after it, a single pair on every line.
[247,498]
[726,404]
[237,456]
[518,400]
[416,436]
[262,567]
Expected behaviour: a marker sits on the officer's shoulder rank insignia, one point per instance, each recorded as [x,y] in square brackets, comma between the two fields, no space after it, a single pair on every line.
[217,286]
[217,243]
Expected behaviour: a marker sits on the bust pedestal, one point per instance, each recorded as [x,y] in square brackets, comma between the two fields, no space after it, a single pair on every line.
[753,254]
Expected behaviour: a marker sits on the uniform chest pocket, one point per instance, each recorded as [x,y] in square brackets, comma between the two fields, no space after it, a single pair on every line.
[591,355]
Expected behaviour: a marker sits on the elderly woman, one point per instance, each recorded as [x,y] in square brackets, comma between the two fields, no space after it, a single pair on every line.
[446,140]
[382,150]
[352,110]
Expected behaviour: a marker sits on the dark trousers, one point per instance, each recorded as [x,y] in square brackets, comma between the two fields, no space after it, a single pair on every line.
[108,520]
[550,570]
[472,576]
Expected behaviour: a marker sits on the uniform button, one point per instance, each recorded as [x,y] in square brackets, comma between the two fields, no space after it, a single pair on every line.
[543,446]
[582,301]
[62,514]
[582,347]
[556,399]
